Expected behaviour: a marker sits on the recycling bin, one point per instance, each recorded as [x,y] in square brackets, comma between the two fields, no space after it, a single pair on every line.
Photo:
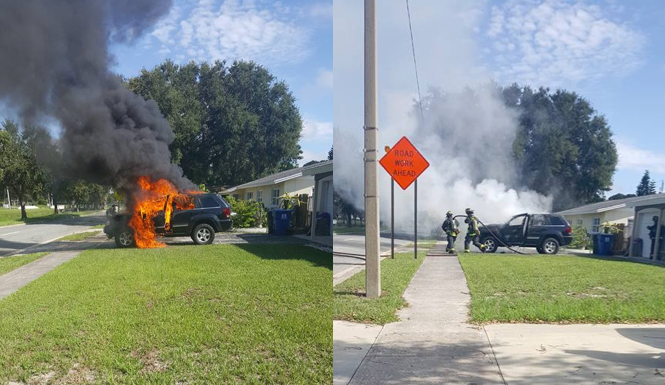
[605,242]
[282,220]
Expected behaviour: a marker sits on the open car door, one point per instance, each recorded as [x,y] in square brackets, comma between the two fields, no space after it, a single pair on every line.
[514,229]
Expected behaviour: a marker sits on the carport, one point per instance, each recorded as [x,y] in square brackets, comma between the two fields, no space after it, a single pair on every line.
[323,196]
[644,215]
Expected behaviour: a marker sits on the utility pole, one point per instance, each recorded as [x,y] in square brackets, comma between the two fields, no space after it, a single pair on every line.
[372,245]
[9,203]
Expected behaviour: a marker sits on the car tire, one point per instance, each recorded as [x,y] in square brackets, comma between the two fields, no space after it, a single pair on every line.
[550,246]
[540,250]
[203,234]
[491,245]
[125,238]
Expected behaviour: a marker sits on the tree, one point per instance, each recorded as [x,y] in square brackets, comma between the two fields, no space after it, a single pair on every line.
[561,141]
[621,196]
[646,186]
[49,157]
[311,162]
[21,173]
[330,153]
[232,124]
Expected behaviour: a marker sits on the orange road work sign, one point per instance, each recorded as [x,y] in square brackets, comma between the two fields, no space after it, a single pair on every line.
[404,163]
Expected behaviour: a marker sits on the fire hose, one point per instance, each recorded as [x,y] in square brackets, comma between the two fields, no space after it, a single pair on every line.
[493,235]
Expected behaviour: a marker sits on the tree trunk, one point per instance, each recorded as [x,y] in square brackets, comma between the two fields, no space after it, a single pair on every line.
[348,219]
[55,204]
[24,215]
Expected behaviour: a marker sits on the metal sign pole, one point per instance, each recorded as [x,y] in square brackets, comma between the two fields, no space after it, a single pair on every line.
[415,221]
[392,218]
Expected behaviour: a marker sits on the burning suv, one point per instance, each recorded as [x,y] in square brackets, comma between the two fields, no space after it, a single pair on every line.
[545,232]
[201,218]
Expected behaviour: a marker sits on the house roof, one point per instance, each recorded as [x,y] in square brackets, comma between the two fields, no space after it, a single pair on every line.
[601,207]
[312,169]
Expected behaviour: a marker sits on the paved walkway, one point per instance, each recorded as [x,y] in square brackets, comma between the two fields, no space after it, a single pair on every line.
[16,279]
[432,343]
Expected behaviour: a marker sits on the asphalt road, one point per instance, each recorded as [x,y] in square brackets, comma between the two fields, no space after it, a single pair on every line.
[355,244]
[19,237]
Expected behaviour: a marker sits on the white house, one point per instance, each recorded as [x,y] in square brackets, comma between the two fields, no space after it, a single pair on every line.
[645,213]
[315,180]
[592,216]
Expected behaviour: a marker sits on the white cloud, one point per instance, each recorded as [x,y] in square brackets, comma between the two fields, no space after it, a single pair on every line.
[235,29]
[553,42]
[636,159]
[314,130]
[325,78]
[321,10]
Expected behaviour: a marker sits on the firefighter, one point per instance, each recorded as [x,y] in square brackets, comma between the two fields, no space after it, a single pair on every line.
[652,235]
[473,233]
[451,228]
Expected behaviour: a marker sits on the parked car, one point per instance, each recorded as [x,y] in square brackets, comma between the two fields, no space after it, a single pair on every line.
[545,232]
[211,214]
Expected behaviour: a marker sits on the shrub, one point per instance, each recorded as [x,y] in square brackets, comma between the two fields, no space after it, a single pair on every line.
[581,238]
[247,213]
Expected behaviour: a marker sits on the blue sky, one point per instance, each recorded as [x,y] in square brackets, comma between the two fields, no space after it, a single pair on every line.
[610,52]
[292,39]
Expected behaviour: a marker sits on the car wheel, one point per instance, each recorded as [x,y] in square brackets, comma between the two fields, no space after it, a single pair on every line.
[490,245]
[124,238]
[203,234]
[550,246]
[540,250]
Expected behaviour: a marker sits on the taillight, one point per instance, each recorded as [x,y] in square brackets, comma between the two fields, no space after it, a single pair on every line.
[226,211]
[569,230]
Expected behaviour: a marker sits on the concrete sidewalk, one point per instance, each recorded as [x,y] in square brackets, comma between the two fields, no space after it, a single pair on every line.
[432,343]
[16,279]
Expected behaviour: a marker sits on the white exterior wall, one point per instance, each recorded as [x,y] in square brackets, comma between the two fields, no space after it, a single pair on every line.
[620,216]
[297,186]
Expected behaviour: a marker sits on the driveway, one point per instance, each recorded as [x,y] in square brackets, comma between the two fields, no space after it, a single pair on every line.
[20,237]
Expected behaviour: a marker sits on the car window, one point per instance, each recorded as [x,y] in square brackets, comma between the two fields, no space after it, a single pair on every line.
[538,220]
[207,201]
[558,221]
[517,221]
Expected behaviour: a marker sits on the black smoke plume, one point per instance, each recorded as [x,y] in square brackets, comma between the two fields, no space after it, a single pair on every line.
[54,62]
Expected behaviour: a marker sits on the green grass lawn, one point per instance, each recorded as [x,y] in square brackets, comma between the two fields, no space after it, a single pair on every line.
[13,216]
[348,230]
[349,302]
[8,264]
[80,236]
[214,314]
[563,289]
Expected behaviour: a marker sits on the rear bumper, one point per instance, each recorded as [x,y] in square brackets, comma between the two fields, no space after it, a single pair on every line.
[225,225]
[566,241]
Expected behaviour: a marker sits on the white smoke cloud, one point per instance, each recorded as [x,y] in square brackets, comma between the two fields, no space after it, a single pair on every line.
[467,141]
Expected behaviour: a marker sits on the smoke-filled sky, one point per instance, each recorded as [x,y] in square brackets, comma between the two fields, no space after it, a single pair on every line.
[55,64]
[610,54]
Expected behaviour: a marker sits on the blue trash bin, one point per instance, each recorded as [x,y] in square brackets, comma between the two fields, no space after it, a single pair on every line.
[596,249]
[282,220]
[605,242]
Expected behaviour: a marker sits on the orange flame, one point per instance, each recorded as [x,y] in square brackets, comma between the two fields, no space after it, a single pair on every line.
[153,199]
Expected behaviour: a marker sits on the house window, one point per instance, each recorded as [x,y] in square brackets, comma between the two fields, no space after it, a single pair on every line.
[259,196]
[596,225]
[580,221]
[250,195]
[275,197]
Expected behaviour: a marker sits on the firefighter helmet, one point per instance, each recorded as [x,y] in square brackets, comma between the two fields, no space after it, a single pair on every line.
[468,211]
[449,214]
